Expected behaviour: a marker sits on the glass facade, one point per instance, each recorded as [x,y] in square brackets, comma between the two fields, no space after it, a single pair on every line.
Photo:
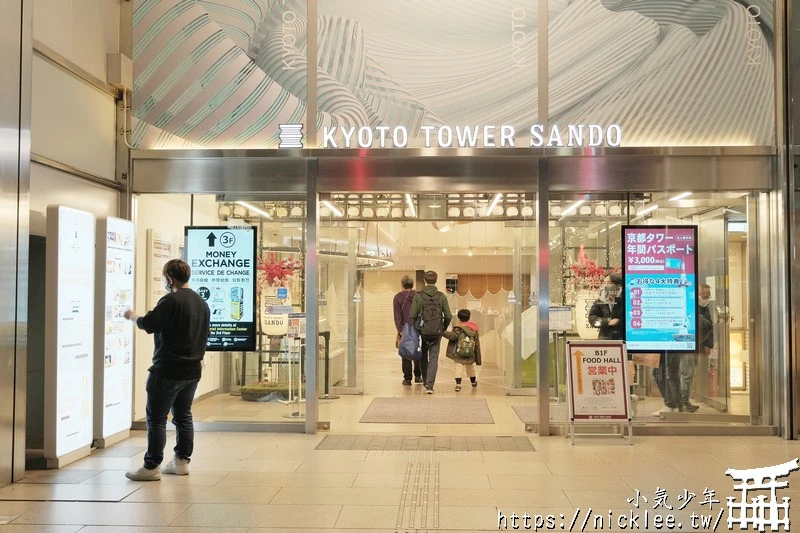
[675,87]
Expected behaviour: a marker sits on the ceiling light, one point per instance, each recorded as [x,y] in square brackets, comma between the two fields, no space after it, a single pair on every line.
[444,250]
[411,205]
[648,210]
[614,225]
[568,211]
[335,210]
[255,209]
[493,204]
[680,197]
[469,252]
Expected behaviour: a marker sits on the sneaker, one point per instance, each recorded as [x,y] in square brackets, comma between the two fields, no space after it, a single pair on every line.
[144,474]
[418,380]
[690,408]
[458,388]
[474,384]
[428,391]
[406,382]
[178,467]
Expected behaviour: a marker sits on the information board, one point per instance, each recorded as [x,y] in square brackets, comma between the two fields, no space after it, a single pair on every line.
[114,338]
[223,263]
[560,318]
[69,366]
[660,272]
[598,381]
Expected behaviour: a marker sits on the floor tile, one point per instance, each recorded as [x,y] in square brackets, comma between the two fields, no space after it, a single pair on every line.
[70,492]
[235,515]
[164,492]
[337,496]
[367,517]
[502,497]
[514,481]
[103,514]
[281,479]
[10,511]
[146,529]
[77,475]
[117,477]
[13,528]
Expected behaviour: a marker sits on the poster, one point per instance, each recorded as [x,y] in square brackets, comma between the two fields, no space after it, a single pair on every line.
[660,271]
[69,368]
[160,249]
[223,263]
[114,366]
[297,326]
[598,380]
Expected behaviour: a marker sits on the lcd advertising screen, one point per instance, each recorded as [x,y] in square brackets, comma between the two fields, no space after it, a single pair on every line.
[69,368]
[660,271]
[114,344]
[223,263]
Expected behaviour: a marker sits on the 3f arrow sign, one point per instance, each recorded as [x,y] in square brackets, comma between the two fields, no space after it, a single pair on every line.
[211,240]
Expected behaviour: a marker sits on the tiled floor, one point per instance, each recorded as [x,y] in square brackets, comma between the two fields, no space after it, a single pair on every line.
[247,482]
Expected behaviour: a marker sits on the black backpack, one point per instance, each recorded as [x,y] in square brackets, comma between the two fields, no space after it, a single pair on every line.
[431,316]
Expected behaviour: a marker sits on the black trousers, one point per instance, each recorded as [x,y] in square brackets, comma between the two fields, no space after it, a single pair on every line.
[668,378]
[418,371]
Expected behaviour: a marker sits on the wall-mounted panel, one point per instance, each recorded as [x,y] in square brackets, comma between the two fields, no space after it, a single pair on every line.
[69,333]
[72,123]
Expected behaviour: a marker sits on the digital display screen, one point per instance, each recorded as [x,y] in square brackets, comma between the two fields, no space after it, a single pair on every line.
[223,263]
[660,273]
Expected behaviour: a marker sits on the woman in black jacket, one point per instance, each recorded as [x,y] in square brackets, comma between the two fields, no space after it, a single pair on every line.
[607,314]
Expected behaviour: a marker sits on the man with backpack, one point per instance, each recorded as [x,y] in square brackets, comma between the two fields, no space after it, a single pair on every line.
[431,313]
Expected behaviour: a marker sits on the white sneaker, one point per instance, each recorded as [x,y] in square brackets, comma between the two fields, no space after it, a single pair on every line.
[178,467]
[144,474]
[428,391]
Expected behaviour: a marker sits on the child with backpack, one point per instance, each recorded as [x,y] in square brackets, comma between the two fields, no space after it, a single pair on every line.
[464,347]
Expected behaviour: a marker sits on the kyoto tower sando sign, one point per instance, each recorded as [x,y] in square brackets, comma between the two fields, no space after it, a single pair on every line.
[487,136]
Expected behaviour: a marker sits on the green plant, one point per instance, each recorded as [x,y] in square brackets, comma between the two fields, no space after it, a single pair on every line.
[256,391]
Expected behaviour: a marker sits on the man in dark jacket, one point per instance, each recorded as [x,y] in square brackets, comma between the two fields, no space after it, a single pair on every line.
[607,314]
[402,307]
[180,324]
[431,313]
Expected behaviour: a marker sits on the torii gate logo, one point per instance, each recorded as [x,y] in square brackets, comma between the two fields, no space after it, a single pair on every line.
[757,511]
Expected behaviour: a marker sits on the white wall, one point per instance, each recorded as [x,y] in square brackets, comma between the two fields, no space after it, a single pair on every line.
[168,214]
[49,186]
[83,31]
[72,122]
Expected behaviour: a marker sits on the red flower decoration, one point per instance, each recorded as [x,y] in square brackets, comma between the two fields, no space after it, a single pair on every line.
[276,273]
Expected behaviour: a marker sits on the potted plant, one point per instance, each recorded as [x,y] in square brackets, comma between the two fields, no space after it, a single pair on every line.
[265,391]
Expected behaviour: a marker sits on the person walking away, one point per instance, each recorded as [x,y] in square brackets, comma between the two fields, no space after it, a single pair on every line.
[705,343]
[402,307]
[179,323]
[431,314]
[606,314]
[464,347]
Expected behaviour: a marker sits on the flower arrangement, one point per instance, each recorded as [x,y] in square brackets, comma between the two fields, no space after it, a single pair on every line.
[589,275]
[275,273]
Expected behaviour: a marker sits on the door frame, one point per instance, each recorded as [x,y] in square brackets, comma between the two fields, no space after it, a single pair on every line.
[307,173]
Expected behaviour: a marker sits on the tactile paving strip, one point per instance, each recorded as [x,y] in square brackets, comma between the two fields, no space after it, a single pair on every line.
[435,443]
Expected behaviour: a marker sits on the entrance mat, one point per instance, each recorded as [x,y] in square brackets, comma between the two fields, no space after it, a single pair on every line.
[428,411]
[436,443]
[529,414]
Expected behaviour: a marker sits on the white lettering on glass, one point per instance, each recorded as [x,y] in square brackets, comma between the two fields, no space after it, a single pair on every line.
[574,136]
